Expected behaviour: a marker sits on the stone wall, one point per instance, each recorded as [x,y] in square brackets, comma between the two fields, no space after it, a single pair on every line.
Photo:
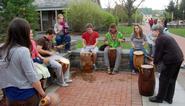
[75,60]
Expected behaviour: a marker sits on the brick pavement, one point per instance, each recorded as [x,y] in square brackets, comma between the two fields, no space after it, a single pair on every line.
[101,89]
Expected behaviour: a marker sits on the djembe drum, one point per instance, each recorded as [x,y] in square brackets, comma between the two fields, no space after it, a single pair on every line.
[146,80]
[52,99]
[112,57]
[65,64]
[138,59]
[86,62]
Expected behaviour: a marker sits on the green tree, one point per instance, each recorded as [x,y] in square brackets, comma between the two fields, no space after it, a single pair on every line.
[18,8]
[130,8]
[171,9]
[120,13]
[182,8]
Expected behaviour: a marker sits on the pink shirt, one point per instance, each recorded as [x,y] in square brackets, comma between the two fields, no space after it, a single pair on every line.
[34,52]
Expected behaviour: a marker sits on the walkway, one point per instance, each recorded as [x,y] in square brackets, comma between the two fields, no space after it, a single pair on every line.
[101,89]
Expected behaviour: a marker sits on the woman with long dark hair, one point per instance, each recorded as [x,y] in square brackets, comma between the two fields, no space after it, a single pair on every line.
[18,77]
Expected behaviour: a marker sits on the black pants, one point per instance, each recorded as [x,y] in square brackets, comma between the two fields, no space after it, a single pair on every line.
[167,81]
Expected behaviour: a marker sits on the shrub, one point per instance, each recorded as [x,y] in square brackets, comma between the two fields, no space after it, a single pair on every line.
[81,12]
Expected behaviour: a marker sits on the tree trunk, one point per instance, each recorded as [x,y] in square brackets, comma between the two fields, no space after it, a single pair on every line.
[129,19]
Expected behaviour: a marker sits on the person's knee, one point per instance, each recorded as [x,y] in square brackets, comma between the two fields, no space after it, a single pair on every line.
[67,38]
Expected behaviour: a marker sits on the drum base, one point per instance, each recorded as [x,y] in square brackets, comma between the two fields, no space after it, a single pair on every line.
[146,81]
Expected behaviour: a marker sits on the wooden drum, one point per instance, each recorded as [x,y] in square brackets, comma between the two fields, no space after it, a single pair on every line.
[65,64]
[86,62]
[146,81]
[112,57]
[138,59]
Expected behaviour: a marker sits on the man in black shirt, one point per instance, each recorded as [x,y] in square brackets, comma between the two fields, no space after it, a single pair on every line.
[168,52]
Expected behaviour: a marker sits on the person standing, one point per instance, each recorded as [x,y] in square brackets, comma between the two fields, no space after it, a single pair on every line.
[18,76]
[151,22]
[167,51]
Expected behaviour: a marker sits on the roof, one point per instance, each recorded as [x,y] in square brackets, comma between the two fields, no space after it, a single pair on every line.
[45,5]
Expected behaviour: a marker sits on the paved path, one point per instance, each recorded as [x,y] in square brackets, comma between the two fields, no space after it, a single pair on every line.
[180,85]
[101,89]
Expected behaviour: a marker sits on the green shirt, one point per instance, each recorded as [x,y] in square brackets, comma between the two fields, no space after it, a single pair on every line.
[114,43]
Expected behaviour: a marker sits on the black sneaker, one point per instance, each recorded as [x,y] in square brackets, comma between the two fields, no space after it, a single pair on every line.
[170,101]
[155,99]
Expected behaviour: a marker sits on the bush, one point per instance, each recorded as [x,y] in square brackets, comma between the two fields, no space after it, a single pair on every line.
[82,12]
[18,8]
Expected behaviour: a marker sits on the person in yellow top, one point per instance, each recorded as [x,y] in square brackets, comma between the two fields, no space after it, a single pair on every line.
[113,39]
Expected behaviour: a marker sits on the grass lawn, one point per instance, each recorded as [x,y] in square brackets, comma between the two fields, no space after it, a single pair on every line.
[126,30]
[178,31]
[125,45]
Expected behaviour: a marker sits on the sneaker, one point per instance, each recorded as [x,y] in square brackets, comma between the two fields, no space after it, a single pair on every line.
[113,72]
[94,66]
[62,84]
[109,71]
[133,72]
[69,81]
[69,51]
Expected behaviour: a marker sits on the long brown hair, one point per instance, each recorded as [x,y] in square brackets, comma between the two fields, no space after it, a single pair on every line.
[18,34]
[140,30]
[113,26]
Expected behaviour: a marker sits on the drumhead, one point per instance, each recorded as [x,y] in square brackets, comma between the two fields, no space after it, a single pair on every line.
[138,52]
[64,60]
[146,66]
[85,52]
[112,48]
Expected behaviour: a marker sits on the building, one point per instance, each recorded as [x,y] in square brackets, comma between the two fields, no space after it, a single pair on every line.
[48,11]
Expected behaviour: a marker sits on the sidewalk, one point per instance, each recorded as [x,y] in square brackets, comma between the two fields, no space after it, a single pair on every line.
[180,85]
[101,89]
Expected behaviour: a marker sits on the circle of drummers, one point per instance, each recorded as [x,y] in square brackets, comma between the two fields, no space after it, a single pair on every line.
[26,65]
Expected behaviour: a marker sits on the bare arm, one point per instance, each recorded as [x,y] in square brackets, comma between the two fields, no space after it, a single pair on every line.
[38,87]
[83,42]
[44,52]
[96,43]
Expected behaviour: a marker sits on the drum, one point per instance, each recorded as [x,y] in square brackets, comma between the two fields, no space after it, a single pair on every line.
[65,64]
[138,59]
[52,99]
[86,62]
[112,57]
[146,80]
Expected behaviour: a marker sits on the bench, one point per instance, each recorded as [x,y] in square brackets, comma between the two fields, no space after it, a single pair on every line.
[75,59]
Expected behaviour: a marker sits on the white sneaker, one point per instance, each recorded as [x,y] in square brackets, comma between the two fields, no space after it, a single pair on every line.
[133,72]
[62,84]
[94,67]
[69,81]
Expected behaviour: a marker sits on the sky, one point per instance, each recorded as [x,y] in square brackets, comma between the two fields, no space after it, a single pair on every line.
[154,4]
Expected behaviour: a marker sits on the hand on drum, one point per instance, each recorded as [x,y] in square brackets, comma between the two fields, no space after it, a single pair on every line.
[121,40]
[46,60]
[151,63]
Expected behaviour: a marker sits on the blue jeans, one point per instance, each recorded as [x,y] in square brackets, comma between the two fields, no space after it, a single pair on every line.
[64,39]
[132,55]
